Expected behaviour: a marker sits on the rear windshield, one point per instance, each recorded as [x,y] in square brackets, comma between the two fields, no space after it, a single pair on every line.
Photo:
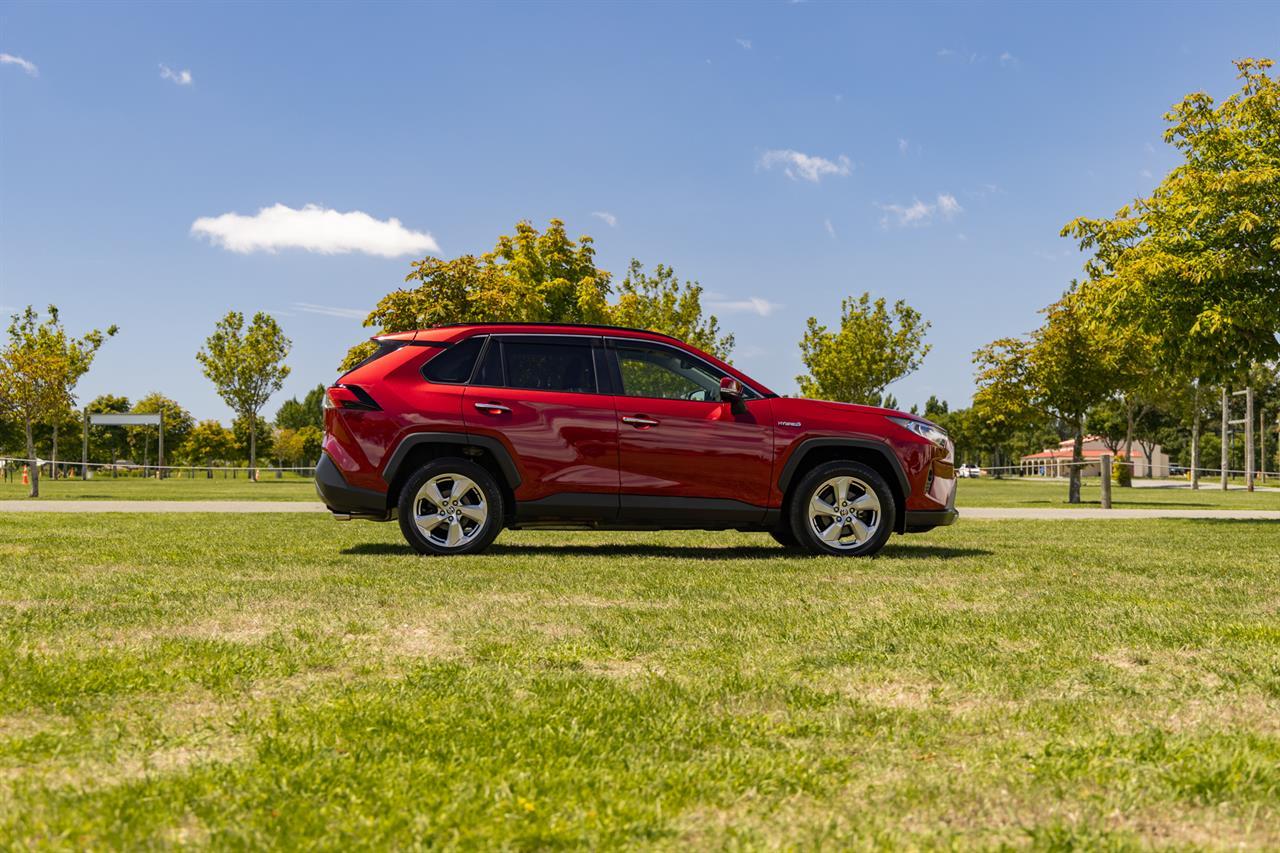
[454,365]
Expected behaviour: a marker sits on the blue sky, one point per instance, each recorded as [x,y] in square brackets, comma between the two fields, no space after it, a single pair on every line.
[955,141]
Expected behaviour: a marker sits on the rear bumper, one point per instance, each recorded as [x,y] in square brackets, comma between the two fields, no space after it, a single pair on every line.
[920,520]
[346,500]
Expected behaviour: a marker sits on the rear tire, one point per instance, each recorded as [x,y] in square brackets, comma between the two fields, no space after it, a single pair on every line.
[843,509]
[450,507]
[784,537]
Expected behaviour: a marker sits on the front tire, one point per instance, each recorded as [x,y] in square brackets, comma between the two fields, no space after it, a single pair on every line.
[844,509]
[450,507]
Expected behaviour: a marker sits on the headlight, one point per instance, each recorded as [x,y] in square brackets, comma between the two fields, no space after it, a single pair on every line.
[928,432]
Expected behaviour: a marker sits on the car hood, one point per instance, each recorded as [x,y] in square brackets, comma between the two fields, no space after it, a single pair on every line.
[829,406]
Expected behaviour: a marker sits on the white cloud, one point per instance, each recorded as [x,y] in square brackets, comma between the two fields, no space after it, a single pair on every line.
[745,44]
[1146,173]
[606,217]
[831,229]
[948,206]
[29,67]
[750,305]
[332,311]
[921,213]
[904,145]
[315,229]
[182,78]
[804,166]
[1007,60]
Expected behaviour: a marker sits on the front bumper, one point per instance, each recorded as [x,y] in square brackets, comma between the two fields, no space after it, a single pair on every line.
[344,500]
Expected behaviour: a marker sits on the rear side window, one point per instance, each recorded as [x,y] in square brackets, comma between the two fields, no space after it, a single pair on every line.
[454,365]
[383,348]
[549,367]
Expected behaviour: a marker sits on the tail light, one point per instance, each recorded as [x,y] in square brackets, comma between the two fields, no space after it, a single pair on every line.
[349,397]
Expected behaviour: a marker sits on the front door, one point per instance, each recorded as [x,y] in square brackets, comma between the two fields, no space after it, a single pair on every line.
[680,449]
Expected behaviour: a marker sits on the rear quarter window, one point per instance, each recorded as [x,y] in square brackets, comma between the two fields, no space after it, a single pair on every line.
[454,365]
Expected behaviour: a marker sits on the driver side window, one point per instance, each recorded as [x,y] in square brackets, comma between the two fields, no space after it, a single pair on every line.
[665,374]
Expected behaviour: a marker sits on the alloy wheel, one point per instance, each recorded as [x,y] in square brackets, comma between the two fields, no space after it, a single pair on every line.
[844,512]
[450,510]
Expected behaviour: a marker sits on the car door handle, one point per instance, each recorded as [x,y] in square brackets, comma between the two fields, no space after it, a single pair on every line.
[493,408]
[639,422]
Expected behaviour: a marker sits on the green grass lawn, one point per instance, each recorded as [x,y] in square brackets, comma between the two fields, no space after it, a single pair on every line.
[1053,494]
[245,681]
[290,488]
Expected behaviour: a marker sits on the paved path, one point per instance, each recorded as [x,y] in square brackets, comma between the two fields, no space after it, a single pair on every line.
[1001,513]
[160,506]
[975,513]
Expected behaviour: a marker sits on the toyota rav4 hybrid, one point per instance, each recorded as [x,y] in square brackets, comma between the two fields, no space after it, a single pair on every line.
[460,431]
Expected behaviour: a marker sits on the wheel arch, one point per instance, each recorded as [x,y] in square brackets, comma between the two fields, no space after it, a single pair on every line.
[875,454]
[417,449]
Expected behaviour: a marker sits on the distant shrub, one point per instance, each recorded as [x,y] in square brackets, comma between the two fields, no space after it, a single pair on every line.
[1121,471]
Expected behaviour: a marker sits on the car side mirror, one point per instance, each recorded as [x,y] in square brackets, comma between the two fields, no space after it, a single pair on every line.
[731,393]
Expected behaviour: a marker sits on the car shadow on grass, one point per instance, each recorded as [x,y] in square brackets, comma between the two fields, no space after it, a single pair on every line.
[689,552]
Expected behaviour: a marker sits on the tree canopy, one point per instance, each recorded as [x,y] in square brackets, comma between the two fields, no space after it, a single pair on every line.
[40,366]
[542,277]
[246,366]
[1061,370]
[874,346]
[659,302]
[1197,263]
[309,411]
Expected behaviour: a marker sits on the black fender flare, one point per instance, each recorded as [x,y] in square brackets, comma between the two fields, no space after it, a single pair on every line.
[500,454]
[804,447]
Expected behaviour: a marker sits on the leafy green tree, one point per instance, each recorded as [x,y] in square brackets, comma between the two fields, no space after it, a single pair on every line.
[1061,370]
[1108,421]
[659,302]
[311,438]
[209,442]
[529,277]
[108,443]
[874,346]
[247,367]
[934,408]
[178,424]
[295,414]
[298,447]
[40,365]
[252,436]
[1197,263]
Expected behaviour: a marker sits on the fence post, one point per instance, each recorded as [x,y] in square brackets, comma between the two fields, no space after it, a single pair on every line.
[1248,437]
[1106,481]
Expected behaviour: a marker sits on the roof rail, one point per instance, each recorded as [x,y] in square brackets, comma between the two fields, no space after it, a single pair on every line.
[562,325]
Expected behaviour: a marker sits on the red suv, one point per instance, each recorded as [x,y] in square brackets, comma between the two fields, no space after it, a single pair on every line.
[462,430]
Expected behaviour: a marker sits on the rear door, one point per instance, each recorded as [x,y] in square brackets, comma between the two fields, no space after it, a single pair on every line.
[544,398]
[680,449]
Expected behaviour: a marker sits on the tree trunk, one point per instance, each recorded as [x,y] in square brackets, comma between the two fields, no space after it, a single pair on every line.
[31,455]
[1077,456]
[53,469]
[253,447]
[1128,443]
[1195,438]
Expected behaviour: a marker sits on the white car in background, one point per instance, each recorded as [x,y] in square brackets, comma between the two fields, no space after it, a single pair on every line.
[967,470]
